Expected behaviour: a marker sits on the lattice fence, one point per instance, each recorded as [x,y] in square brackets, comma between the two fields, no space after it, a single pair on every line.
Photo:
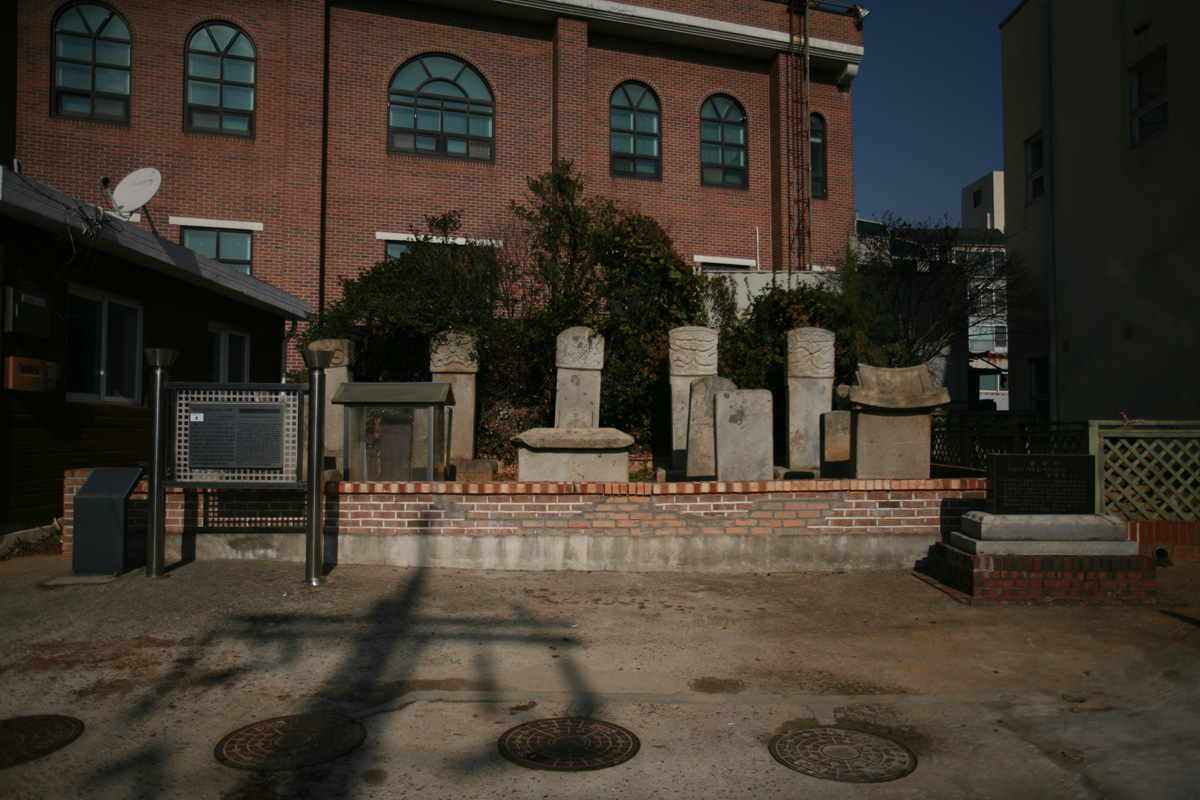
[1148,474]
[966,439]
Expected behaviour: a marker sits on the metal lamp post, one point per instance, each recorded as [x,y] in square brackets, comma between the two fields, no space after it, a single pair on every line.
[314,551]
[160,359]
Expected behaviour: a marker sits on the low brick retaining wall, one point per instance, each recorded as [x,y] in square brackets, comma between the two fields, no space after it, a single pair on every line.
[1017,580]
[703,526]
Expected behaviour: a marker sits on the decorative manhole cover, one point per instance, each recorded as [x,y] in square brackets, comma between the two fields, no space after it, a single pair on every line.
[836,754]
[568,744]
[292,742]
[26,738]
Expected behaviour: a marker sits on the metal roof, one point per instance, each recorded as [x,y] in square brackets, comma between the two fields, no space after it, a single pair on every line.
[33,202]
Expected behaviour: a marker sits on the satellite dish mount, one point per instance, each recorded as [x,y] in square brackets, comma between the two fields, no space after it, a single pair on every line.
[133,193]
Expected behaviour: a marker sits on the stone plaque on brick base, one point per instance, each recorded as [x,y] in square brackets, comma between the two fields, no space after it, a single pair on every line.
[1041,484]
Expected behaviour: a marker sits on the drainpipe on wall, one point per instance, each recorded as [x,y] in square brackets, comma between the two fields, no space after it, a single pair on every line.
[287,339]
[1048,210]
[324,167]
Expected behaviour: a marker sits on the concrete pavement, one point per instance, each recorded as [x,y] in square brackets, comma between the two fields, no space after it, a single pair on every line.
[1028,702]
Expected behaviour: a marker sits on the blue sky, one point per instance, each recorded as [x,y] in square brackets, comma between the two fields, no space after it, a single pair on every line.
[926,105]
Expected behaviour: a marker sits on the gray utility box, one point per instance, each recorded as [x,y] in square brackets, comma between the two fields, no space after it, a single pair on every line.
[99,543]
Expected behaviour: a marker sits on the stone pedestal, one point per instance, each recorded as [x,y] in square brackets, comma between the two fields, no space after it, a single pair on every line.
[454,359]
[337,373]
[573,455]
[744,441]
[1043,558]
[693,354]
[701,441]
[836,448]
[890,421]
[810,370]
[579,359]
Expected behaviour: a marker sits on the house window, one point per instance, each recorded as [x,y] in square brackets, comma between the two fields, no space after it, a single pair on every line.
[977,198]
[220,81]
[723,143]
[91,63]
[635,137]
[229,241]
[228,355]
[1149,83]
[1035,176]
[396,244]
[439,105]
[231,247]
[104,349]
[818,169]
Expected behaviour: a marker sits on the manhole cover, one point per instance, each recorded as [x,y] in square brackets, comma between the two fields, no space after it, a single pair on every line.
[841,755]
[289,742]
[568,744]
[26,738]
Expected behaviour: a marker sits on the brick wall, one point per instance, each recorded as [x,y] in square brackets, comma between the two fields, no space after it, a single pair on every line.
[642,509]
[1180,539]
[551,80]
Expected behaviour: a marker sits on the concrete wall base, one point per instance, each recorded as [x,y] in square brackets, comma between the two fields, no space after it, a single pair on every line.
[720,554]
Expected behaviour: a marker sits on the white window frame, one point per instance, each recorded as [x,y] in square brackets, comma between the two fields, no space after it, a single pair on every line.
[724,264]
[104,298]
[224,334]
[220,224]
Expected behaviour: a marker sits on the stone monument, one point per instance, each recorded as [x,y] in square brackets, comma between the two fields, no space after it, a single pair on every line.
[575,449]
[693,354]
[454,359]
[1040,539]
[745,447]
[701,438]
[579,358]
[337,373]
[890,421]
[809,393]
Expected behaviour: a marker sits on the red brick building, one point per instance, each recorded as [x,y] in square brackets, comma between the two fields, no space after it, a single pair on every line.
[297,137]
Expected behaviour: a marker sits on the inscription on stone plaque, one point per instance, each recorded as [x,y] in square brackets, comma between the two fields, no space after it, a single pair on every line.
[235,435]
[1041,484]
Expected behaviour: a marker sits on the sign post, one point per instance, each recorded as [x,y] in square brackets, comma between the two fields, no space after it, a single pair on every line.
[161,359]
[314,551]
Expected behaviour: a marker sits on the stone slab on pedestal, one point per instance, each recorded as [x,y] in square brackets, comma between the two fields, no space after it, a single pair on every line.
[579,359]
[693,354]
[983,526]
[701,440]
[567,455]
[891,444]
[810,370]
[337,373]
[1041,547]
[454,359]
[744,441]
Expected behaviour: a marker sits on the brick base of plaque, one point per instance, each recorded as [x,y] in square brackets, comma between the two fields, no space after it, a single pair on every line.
[1043,580]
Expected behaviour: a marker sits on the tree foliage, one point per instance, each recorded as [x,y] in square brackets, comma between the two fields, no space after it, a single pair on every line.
[568,259]
[932,281]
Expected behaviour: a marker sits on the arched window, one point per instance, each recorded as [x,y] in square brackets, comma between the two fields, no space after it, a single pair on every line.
[220,81]
[635,137]
[722,142]
[91,63]
[438,105]
[817,163]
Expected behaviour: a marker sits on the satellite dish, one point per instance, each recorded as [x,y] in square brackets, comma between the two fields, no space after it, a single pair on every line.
[136,189]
